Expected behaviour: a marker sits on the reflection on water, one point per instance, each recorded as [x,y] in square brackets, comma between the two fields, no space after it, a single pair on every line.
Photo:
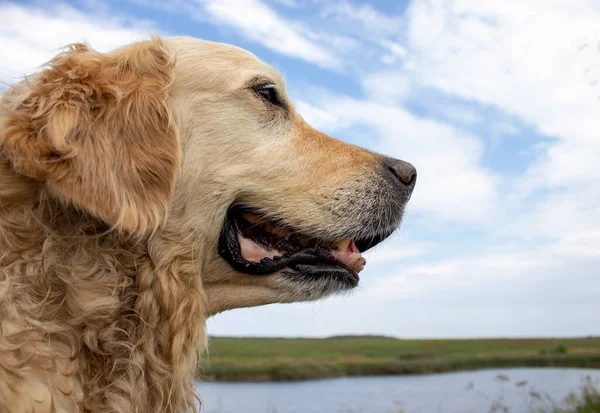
[463,392]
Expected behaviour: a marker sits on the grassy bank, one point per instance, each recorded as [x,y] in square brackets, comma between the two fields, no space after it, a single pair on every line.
[274,359]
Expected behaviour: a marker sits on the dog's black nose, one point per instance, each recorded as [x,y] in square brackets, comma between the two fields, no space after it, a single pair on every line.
[402,171]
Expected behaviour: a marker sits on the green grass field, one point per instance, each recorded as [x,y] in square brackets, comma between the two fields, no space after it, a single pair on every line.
[275,359]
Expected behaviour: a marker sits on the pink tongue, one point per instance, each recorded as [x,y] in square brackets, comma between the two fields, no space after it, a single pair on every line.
[350,255]
[254,252]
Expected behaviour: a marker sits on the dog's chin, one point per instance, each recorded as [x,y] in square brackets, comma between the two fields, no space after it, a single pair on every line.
[254,244]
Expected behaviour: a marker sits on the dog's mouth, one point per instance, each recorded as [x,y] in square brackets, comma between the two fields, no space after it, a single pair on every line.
[254,244]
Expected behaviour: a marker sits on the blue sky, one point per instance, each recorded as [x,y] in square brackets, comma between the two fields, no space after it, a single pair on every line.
[496,104]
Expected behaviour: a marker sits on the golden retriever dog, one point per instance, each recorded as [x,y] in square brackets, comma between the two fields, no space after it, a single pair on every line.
[148,188]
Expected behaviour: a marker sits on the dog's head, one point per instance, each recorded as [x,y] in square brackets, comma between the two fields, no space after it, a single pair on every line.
[200,138]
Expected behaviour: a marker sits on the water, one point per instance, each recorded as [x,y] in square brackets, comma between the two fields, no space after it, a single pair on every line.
[437,393]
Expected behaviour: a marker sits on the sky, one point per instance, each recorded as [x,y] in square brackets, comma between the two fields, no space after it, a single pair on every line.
[497,104]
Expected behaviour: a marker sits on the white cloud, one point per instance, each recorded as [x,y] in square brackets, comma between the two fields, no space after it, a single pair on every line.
[515,57]
[393,251]
[31,36]
[447,277]
[287,3]
[368,21]
[317,116]
[376,32]
[569,218]
[388,86]
[259,23]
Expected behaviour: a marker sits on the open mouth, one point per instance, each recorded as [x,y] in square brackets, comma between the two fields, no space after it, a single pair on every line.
[254,244]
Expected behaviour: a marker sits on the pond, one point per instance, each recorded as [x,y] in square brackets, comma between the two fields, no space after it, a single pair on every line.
[462,392]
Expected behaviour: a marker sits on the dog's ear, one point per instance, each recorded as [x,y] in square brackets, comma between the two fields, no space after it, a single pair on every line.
[96,129]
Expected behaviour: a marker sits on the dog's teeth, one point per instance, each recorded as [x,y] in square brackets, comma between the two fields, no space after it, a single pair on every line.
[343,244]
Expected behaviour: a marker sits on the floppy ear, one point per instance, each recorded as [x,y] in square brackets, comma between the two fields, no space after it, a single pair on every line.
[96,129]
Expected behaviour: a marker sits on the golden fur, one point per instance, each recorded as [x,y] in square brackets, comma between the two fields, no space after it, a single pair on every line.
[116,171]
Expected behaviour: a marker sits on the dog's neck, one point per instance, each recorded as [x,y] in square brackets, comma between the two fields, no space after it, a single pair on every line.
[122,320]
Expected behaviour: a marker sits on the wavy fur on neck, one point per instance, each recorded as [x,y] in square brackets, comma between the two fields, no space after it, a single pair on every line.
[101,305]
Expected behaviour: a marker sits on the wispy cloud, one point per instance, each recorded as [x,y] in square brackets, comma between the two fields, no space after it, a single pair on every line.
[363,19]
[515,60]
[260,23]
[30,36]
[287,3]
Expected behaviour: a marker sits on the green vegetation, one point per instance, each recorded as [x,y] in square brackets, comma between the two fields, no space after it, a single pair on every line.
[278,359]
[585,400]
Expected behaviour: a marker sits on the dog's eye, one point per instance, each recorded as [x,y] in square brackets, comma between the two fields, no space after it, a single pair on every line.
[269,93]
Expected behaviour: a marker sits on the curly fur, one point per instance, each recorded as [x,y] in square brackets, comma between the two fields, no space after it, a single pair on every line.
[100,315]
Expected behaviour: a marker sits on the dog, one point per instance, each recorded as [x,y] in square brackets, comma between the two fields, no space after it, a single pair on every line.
[145,189]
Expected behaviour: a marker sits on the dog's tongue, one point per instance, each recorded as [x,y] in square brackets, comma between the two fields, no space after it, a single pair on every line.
[346,252]
[253,252]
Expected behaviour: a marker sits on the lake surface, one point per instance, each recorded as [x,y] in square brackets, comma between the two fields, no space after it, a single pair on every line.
[437,393]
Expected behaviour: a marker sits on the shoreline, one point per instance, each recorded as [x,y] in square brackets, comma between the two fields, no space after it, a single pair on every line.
[307,372]
[279,360]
